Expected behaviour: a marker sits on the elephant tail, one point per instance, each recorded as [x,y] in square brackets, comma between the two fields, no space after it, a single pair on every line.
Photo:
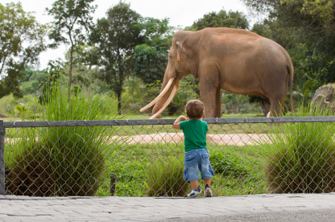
[291,74]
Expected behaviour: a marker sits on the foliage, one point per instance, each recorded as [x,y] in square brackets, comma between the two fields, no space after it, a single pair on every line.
[70,160]
[150,63]
[150,169]
[301,162]
[222,19]
[320,67]
[53,72]
[238,170]
[227,164]
[151,57]
[156,32]
[116,36]
[8,105]
[133,96]
[22,110]
[84,71]
[21,42]
[188,89]
[71,16]
[165,178]
[236,103]
[306,92]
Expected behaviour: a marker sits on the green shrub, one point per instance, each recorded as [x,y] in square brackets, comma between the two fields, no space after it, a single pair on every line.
[228,164]
[8,104]
[30,172]
[166,178]
[238,170]
[72,158]
[302,159]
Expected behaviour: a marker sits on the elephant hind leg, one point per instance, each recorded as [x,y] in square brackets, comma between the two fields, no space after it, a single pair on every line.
[277,107]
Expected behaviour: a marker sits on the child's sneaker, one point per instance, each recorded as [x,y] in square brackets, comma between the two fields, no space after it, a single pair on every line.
[194,193]
[208,191]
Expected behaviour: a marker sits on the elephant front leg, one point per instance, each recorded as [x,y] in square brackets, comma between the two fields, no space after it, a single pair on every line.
[209,98]
[218,112]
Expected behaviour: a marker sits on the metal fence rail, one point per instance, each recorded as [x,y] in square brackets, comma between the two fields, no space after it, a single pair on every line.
[145,157]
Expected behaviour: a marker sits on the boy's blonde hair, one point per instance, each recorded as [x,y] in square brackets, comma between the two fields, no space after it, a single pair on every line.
[194,109]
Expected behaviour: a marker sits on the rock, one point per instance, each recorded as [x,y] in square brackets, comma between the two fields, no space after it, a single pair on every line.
[324,98]
[2,116]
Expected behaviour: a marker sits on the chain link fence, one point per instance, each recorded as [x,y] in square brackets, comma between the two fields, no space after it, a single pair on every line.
[145,157]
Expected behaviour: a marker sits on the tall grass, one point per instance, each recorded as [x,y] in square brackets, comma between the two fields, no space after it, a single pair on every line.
[72,157]
[302,158]
[165,178]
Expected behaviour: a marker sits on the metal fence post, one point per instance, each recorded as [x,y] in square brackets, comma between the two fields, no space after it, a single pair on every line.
[2,158]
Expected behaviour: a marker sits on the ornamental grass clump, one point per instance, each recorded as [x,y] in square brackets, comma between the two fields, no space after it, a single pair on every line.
[302,158]
[165,178]
[63,161]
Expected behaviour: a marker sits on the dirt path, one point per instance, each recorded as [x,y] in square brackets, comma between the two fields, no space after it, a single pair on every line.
[220,139]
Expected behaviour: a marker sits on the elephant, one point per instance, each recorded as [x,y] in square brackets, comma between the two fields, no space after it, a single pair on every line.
[235,60]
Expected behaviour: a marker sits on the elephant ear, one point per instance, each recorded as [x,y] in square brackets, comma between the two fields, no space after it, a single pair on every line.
[179,50]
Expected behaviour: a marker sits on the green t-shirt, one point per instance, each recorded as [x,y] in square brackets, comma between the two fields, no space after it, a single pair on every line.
[194,134]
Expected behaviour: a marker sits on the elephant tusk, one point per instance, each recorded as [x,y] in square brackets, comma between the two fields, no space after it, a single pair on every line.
[153,102]
[173,93]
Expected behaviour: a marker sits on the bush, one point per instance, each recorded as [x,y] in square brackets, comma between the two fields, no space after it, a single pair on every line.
[31,173]
[68,160]
[166,178]
[228,164]
[8,105]
[236,103]
[303,159]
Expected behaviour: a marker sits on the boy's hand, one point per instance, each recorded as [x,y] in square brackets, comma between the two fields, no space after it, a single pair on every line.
[176,124]
[182,118]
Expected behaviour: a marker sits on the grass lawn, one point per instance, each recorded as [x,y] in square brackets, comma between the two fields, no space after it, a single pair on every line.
[238,170]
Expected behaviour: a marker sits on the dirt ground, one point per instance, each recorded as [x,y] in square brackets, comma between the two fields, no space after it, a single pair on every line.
[220,139]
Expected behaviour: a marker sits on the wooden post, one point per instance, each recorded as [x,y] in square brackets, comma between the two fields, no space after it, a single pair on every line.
[2,158]
[113,179]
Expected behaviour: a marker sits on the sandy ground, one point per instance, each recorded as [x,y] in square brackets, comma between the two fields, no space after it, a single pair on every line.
[220,139]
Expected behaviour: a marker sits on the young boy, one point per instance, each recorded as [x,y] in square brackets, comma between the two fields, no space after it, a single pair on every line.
[196,154]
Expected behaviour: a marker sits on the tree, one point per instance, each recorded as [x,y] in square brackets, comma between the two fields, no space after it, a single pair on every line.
[152,56]
[83,72]
[116,36]
[21,42]
[71,16]
[222,19]
[53,72]
[29,84]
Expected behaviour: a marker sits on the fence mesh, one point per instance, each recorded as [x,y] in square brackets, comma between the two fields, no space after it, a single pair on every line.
[147,160]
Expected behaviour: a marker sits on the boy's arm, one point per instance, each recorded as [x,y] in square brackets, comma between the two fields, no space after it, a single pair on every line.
[176,124]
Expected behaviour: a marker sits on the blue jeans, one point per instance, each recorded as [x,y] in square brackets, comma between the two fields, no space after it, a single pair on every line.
[195,161]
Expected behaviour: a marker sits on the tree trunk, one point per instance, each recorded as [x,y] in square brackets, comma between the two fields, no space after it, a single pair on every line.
[119,90]
[119,103]
[70,71]
[91,81]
